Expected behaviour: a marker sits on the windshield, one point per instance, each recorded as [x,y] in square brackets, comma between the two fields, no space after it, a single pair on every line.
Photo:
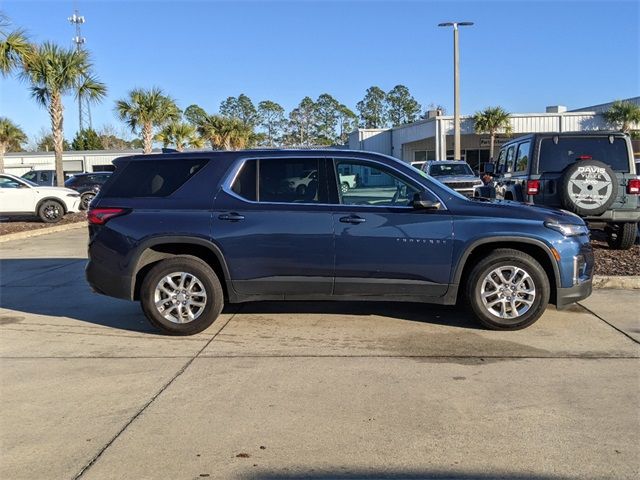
[439,170]
[449,190]
[29,182]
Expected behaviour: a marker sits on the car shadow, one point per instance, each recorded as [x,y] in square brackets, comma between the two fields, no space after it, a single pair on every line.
[56,287]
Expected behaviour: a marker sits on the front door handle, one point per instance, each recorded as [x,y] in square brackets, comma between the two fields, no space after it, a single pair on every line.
[231,217]
[353,219]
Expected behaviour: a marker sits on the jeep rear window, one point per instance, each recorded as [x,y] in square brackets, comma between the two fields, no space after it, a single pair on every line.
[568,150]
[152,178]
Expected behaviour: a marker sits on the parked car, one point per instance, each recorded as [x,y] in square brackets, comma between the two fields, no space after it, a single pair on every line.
[418,164]
[346,179]
[301,182]
[46,178]
[591,174]
[455,174]
[184,233]
[87,185]
[22,197]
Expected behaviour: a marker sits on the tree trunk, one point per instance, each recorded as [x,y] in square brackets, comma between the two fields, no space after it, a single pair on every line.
[55,110]
[493,138]
[147,137]
[3,150]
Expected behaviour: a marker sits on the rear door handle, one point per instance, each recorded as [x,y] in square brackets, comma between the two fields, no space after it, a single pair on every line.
[353,219]
[231,217]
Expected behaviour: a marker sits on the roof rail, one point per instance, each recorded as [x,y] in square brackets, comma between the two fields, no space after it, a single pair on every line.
[169,150]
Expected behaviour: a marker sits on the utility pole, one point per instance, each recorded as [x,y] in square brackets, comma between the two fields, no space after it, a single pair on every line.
[457,153]
[84,111]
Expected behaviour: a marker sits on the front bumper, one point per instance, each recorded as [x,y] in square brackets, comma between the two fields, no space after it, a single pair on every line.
[567,296]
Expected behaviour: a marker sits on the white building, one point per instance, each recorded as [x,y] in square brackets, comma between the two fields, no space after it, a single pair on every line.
[432,138]
[20,163]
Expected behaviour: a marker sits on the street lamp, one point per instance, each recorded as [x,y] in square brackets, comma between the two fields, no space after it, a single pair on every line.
[456,86]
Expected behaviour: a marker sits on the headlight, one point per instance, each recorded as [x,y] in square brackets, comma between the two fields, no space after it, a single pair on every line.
[568,229]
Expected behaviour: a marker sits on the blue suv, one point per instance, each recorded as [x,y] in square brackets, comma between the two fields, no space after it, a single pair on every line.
[184,233]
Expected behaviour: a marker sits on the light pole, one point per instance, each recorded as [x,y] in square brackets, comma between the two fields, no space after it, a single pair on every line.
[457,155]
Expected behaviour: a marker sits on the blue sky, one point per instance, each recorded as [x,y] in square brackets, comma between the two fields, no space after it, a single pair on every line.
[522,55]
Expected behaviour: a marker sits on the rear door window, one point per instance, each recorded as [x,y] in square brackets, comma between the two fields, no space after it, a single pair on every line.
[282,180]
[153,178]
[522,158]
[558,153]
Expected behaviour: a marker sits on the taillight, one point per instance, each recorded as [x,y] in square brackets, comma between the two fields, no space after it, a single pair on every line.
[100,216]
[633,187]
[533,187]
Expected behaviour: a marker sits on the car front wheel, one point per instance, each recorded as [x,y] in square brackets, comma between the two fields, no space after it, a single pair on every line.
[181,295]
[51,211]
[507,290]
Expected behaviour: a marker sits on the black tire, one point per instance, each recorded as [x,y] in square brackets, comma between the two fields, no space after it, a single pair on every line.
[207,278]
[344,188]
[621,236]
[51,211]
[301,190]
[577,192]
[505,257]
[85,200]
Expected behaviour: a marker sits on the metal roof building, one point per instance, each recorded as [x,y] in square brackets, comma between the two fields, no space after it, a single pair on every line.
[432,138]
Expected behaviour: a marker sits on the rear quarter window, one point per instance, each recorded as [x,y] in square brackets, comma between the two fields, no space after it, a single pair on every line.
[152,178]
[556,156]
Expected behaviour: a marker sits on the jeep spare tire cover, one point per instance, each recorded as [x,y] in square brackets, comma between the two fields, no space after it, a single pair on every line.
[588,187]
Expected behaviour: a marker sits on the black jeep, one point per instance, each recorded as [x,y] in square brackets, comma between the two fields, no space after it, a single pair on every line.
[591,174]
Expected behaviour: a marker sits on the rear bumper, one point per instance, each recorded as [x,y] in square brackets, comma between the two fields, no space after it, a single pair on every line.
[567,296]
[104,281]
[616,216]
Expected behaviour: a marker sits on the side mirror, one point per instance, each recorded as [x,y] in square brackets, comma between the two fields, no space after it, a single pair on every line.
[422,202]
[489,167]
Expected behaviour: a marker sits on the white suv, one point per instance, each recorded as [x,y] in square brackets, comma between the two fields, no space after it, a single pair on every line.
[22,197]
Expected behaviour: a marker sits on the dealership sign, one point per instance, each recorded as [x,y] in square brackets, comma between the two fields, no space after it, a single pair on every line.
[486,142]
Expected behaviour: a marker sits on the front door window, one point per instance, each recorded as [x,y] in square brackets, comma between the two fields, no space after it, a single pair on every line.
[370,185]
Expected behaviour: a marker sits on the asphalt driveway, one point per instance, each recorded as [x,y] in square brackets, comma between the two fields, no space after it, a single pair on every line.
[306,390]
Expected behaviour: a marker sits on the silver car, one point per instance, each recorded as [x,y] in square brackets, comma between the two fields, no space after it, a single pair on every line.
[455,174]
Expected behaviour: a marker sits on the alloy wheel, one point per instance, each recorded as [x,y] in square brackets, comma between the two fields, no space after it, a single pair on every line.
[180,297]
[508,292]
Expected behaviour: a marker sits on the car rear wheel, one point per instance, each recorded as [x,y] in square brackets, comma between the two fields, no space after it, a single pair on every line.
[181,295]
[51,211]
[621,236]
[85,200]
[507,290]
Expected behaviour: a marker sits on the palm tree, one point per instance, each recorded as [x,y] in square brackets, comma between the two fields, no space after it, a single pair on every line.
[11,137]
[224,133]
[623,114]
[492,120]
[15,48]
[53,72]
[146,109]
[181,135]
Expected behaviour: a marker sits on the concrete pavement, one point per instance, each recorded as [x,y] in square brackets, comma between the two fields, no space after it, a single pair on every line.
[306,390]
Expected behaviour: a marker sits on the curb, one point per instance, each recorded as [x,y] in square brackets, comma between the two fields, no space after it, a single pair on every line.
[41,231]
[622,283]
